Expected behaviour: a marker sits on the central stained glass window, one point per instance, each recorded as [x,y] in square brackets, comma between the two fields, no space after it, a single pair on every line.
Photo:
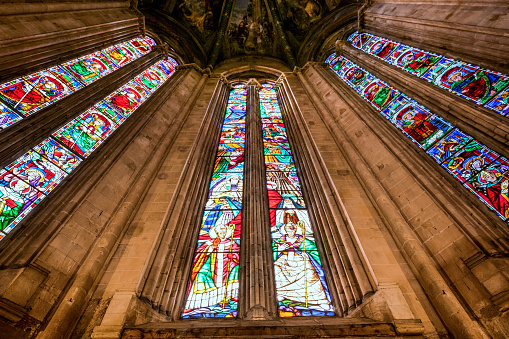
[214,285]
[300,280]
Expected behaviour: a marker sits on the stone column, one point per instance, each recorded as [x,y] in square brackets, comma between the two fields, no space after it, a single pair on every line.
[257,277]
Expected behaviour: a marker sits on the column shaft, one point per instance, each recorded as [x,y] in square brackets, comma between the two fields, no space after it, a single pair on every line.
[257,282]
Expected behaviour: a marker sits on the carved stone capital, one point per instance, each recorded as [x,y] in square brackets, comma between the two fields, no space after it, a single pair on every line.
[361,13]
[189,66]
[258,312]
[311,64]
[408,327]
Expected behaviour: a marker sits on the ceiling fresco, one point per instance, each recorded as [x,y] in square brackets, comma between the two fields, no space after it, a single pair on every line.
[232,28]
[250,31]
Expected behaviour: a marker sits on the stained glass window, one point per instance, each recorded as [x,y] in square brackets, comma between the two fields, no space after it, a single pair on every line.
[29,179]
[482,86]
[31,93]
[300,280]
[481,170]
[214,284]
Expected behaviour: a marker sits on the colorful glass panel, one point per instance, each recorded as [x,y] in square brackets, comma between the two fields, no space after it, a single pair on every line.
[480,169]
[17,199]
[300,279]
[213,288]
[33,92]
[468,81]
[26,181]
[85,133]
[7,116]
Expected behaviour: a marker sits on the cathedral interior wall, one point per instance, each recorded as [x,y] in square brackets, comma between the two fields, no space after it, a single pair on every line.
[90,261]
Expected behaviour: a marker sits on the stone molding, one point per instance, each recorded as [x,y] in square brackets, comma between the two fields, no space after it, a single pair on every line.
[352,280]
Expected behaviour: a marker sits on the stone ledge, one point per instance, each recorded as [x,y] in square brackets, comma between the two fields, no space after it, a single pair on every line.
[283,328]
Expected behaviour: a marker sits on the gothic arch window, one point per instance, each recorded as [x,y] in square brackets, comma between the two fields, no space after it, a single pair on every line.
[478,168]
[214,284]
[301,286]
[26,181]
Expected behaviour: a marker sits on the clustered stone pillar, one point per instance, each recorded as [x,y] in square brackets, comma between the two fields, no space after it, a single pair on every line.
[257,285]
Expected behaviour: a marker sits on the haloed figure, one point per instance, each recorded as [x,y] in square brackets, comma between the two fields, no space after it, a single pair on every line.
[215,270]
[298,270]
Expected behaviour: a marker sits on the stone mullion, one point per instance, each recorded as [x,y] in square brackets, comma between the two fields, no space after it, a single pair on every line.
[483,124]
[257,292]
[423,266]
[164,284]
[344,257]
[20,137]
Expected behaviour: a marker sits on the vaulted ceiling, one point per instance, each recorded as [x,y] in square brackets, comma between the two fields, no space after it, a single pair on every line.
[210,31]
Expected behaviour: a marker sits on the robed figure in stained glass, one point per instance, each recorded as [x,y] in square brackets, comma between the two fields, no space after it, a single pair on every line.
[215,273]
[298,271]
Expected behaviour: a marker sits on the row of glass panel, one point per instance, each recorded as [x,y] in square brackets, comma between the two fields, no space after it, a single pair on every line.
[484,87]
[481,170]
[29,179]
[29,94]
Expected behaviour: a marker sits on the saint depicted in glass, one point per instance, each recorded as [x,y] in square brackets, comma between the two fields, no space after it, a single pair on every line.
[33,92]
[29,179]
[300,279]
[481,170]
[214,284]
[484,87]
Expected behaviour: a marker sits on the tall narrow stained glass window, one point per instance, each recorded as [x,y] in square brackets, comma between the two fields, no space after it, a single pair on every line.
[300,280]
[482,86]
[479,169]
[26,95]
[214,284]
[30,178]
